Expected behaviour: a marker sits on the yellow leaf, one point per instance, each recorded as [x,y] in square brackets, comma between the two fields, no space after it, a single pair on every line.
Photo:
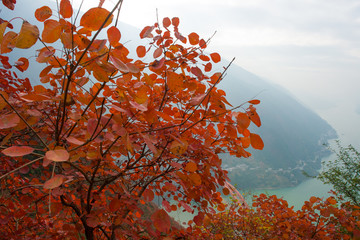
[28,35]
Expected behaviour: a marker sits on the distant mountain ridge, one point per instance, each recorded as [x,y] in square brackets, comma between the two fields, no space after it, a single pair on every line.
[292,133]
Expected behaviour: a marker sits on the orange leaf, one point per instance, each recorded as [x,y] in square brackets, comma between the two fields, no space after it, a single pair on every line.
[313,199]
[254,117]
[204,58]
[141,51]
[22,64]
[146,32]
[43,13]
[9,120]
[243,121]
[191,167]
[193,38]
[94,18]
[202,43]
[254,101]
[51,32]
[54,182]
[28,35]
[208,67]
[178,148]
[157,53]
[17,151]
[256,141]
[175,21]
[174,81]
[166,22]
[161,220]
[8,42]
[195,178]
[66,9]
[114,35]
[57,155]
[215,57]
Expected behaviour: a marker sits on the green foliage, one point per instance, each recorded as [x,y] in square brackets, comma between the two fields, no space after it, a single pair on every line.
[344,172]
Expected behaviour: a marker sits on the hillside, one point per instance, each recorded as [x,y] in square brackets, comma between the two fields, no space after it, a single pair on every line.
[293,135]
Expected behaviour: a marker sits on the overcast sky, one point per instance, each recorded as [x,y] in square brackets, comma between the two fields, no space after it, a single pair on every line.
[310,47]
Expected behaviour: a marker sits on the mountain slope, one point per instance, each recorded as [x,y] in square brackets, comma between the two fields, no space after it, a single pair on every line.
[293,134]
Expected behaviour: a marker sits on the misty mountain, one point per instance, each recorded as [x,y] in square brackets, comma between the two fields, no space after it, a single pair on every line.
[293,134]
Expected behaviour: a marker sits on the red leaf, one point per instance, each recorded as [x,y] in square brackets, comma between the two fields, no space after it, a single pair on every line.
[157,53]
[66,9]
[141,51]
[54,182]
[175,21]
[43,13]
[92,221]
[57,155]
[166,22]
[9,120]
[208,67]
[256,141]
[17,151]
[119,64]
[148,195]
[9,4]
[114,35]
[193,38]
[74,141]
[254,101]
[215,57]
[22,64]
[115,205]
[161,220]
[146,32]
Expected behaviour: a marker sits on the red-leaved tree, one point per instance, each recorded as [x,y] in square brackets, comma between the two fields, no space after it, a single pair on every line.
[85,153]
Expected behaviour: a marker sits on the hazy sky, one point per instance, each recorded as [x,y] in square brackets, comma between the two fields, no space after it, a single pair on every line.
[310,47]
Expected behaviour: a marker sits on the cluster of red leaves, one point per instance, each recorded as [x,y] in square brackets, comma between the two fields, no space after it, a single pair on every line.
[272,218]
[85,153]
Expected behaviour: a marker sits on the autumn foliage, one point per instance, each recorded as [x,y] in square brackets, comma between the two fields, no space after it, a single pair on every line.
[110,129]
[272,218]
